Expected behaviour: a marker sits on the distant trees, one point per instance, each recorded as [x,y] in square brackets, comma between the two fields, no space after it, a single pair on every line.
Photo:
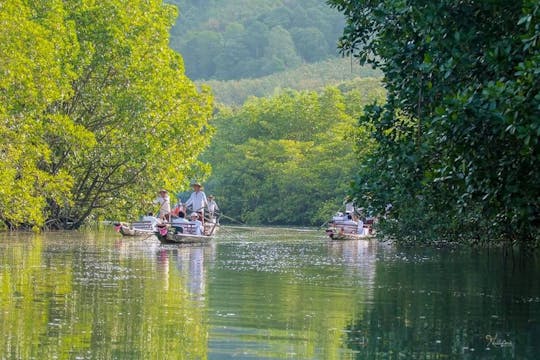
[287,159]
[310,43]
[241,39]
[458,140]
[95,111]
[305,77]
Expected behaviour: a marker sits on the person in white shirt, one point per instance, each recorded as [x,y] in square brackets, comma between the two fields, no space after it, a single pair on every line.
[165,208]
[152,219]
[212,206]
[197,200]
[180,219]
[194,219]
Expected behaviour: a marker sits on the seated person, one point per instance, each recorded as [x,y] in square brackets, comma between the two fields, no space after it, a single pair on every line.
[150,217]
[198,227]
[180,218]
[178,221]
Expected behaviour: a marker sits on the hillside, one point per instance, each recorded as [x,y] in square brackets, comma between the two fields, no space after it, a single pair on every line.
[236,39]
[306,77]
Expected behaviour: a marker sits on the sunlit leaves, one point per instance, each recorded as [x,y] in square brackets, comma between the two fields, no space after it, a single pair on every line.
[287,159]
[96,111]
[35,42]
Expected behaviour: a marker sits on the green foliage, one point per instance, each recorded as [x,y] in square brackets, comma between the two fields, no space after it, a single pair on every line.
[34,42]
[458,148]
[96,111]
[306,77]
[236,39]
[277,160]
[148,117]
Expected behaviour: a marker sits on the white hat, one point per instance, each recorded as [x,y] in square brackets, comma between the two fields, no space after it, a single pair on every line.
[194,214]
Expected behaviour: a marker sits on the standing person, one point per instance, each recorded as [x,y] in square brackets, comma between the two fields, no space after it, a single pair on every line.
[212,206]
[349,207]
[165,202]
[197,200]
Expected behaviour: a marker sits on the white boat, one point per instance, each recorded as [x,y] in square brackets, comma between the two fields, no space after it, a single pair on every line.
[344,227]
[137,228]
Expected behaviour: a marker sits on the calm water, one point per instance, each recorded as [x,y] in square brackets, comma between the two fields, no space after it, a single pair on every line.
[261,294]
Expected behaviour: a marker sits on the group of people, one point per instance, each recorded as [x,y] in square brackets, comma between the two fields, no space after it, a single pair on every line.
[354,220]
[197,202]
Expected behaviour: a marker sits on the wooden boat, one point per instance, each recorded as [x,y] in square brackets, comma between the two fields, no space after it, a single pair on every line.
[343,227]
[184,233]
[339,235]
[138,228]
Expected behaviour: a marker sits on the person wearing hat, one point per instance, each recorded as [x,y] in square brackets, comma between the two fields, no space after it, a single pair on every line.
[194,219]
[197,200]
[165,205]
[212,206]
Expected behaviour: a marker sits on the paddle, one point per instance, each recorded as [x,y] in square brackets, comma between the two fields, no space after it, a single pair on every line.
[230,218]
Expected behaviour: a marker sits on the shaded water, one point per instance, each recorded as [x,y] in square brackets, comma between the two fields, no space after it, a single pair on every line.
[260,294]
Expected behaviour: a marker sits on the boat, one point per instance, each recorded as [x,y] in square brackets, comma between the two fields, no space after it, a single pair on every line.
[137,228]
[184,233]
[345,227]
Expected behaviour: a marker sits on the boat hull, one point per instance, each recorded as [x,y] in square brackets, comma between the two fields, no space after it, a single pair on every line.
[168,234]
[171,238]
[340,236]
[346,229]
[132,230]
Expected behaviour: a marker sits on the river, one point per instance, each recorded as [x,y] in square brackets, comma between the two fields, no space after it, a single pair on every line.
[261,293]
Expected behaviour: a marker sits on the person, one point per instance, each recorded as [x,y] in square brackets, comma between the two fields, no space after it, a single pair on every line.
[151,218]
[360,227]
[178,221]
[165,205]
[179,207]
[194,219]
[197,200]
[212,206]
[349,207]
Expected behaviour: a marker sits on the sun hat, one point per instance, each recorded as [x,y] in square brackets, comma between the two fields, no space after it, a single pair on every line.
[194,214]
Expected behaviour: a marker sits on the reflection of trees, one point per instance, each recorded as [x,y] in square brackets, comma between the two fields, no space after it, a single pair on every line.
[283,300]
[68,297]
[435,306]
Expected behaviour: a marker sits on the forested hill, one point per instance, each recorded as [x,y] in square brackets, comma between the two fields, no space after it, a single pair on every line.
[306,77]
[234,39]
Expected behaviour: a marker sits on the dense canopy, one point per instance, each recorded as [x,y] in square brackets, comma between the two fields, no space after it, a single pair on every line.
[95,111]
[289,159]
[459,136]
[234,39]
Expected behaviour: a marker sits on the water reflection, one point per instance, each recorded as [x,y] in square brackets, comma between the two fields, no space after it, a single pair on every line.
[88,296]
[260,294]
[287,295]
[189,263]
[435,304]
